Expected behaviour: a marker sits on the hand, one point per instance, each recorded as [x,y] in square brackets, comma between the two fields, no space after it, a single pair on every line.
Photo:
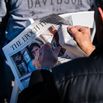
[83,38]
[47,57]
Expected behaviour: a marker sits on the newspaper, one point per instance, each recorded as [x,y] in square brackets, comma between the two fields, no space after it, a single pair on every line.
[19,54]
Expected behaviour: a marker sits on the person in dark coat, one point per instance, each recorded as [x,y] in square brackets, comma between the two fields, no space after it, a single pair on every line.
[79,80]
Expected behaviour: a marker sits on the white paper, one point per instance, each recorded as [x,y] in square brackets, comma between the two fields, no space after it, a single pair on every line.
[38,32]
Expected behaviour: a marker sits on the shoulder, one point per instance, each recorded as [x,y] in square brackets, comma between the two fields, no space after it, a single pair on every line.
[79,79]
[80,66]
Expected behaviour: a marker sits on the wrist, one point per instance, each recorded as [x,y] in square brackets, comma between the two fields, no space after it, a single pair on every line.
[89,50]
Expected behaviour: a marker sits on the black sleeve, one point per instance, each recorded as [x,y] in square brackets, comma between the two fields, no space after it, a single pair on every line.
[41,89]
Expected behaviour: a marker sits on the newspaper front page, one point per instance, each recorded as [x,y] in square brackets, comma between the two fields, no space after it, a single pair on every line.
[19,52]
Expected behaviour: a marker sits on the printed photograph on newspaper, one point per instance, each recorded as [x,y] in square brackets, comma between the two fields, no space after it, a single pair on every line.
[44,44]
